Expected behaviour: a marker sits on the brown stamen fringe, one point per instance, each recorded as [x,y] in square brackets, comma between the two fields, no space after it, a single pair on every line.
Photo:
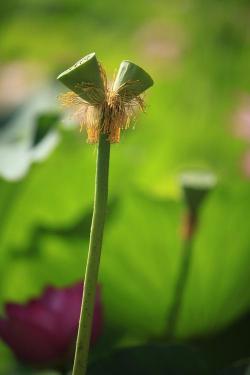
[109,117]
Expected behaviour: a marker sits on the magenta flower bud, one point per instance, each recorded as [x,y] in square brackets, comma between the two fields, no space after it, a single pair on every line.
[42,333]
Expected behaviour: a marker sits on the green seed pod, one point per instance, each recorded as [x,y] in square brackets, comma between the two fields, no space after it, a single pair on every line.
[131,80]
[196,185]
[85,79]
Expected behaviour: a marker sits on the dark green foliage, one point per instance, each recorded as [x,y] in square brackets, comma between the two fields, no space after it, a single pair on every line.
[151,360]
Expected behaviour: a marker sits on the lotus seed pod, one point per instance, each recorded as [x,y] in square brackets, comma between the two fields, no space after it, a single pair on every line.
[131,80]
[85,79]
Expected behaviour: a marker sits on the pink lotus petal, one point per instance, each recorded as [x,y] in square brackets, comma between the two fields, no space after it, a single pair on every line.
[31,344]
[43,331]
[34,313]
[65,304]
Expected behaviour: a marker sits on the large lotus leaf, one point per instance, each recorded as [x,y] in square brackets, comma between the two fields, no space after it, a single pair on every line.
[58,191]
[141,257]
[139,263]
[54,193]
[58,260]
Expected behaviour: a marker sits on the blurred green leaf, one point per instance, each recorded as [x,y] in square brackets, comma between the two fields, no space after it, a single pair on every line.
[59,261]
[218,283]
[45,123]
[6,362]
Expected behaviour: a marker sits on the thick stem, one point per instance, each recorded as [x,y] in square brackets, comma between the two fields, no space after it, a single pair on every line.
[181,283]
[95,245]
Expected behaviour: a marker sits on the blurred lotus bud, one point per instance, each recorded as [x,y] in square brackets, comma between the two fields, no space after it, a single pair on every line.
[241,121]
[195,186]
[42,333]
[245,164]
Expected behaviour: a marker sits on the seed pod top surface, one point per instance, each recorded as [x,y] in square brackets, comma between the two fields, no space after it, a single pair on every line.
[85,79]
[131,80]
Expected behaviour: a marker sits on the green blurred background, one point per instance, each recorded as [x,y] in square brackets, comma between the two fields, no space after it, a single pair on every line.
[198,116]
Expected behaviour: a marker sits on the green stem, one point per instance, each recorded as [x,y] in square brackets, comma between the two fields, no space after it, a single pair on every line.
[180,288]
[95,246]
